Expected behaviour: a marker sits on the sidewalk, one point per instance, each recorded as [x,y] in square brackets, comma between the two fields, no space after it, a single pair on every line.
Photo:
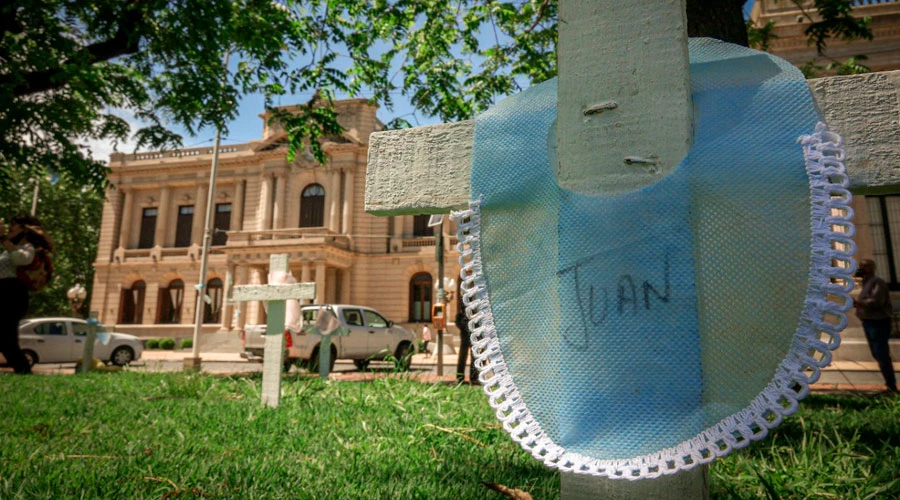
[215,357]
[839,376]
[234,357]
[851,376]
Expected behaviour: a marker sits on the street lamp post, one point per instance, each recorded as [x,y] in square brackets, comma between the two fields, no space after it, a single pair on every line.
[437,221]
[439,251]
[76,296]
[449,288]
[193,363]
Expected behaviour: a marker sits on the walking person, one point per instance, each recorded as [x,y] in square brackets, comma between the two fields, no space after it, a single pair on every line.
[874,309]
[465,347]
[18,242]
[426,338]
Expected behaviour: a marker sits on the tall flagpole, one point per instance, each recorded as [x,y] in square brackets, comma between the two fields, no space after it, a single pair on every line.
[193,362]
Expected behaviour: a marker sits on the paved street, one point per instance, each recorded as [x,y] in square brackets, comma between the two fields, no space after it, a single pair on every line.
[231,363]
[840,376]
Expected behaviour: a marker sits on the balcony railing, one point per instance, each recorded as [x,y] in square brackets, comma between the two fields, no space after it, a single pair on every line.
[292,236]
[427,241]
[178,153]
[300,236]
[156,254]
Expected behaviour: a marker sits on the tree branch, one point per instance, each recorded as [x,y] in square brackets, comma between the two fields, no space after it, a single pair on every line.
[124,42]
[540,16]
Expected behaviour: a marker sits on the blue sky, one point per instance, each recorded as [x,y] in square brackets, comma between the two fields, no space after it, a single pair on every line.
[248,126]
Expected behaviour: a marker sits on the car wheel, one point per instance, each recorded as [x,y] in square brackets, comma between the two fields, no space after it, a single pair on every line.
[31,357]
[122,356]
[313,362]
[288,363]
[361,364]
[404,356]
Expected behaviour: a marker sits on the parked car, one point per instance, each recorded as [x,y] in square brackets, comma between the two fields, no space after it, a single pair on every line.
[61,340]
[371,336]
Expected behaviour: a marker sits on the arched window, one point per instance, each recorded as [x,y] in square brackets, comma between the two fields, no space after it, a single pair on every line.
[312,206]
[132,310]
[170,300]
[212,310]
[420,297]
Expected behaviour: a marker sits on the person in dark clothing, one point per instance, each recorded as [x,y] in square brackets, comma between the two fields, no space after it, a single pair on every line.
[874,309]
[465,347]
[18,243]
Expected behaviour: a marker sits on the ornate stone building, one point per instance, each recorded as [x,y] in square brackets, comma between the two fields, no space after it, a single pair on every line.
[876,192]
[148,261]
[883,51]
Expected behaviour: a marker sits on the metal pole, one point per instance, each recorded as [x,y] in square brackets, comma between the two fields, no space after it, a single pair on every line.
[439,254]
[194,361]
[37,189]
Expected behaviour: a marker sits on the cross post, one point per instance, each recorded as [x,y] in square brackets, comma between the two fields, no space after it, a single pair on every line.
[276,296]
[624,106]
[326,325]
[87,354]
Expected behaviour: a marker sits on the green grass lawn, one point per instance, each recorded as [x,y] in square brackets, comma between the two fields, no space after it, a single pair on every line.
[138,435]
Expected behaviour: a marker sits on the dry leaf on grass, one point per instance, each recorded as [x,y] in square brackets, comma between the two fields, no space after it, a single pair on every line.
[512,493]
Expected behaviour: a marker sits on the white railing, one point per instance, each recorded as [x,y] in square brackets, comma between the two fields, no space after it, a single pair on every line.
[179,153]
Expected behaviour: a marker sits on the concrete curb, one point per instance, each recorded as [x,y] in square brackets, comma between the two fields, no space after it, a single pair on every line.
[233,357]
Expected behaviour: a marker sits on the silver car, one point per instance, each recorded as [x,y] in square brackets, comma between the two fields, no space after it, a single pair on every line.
[61,340]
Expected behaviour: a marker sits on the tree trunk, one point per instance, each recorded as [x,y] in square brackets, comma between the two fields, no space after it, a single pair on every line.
[721,19]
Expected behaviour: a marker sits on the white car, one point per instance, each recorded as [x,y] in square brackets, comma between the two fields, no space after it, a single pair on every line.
[369,336]
[61,340]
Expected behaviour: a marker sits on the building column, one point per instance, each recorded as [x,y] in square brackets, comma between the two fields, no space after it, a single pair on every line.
[268,192]
[162,217]
[396,242]
[334,195]
[345,286]
[228,306]
[255,311]
[398,226]
[347,226]
[237,208]
[199,222]
[125,218]
[151,300]
[320,282]
[305,272]
[241,277]
[279,208]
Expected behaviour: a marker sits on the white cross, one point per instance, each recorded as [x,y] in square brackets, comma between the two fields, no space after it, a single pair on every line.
[87,354]
[624,94]
[276,296]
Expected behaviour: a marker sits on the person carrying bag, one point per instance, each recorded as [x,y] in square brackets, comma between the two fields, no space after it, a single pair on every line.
[20,243]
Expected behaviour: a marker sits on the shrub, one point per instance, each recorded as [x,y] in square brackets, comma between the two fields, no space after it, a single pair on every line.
[167,343]
[187,343]
[152,344]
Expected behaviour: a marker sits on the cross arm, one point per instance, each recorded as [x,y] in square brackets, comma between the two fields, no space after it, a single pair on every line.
[409,173]
[297,291]
[419,170]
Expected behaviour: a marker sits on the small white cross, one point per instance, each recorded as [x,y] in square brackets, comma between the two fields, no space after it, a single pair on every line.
[276,296]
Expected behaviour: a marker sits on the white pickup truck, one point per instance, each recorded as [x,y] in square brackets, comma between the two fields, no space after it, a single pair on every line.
[371,337]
